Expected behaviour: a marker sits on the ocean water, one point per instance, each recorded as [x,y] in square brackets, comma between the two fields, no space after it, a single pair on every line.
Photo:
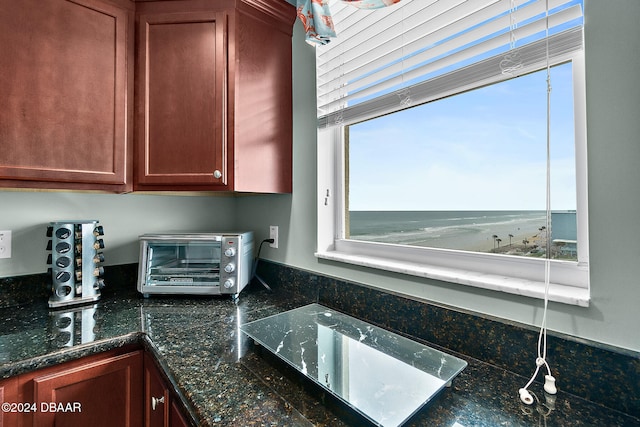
[464,230]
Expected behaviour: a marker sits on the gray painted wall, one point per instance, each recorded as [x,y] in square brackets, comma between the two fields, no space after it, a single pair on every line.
[123,216]
[613,111]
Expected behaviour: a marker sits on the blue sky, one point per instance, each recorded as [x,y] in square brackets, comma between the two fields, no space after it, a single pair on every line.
[482,150]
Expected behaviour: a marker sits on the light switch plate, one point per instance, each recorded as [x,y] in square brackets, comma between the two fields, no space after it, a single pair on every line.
[5,244]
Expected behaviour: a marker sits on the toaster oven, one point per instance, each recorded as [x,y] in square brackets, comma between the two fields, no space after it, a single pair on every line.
[196,264]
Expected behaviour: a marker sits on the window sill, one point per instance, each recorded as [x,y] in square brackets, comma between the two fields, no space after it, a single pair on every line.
[530,288]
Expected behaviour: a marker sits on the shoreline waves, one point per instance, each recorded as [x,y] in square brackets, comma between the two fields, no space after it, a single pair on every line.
[461,230]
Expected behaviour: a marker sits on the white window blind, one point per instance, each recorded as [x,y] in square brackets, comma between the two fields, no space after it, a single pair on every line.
[416,51]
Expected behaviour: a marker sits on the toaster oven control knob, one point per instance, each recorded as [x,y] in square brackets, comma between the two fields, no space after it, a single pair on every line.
[228,283]
[230,268]
[230,252]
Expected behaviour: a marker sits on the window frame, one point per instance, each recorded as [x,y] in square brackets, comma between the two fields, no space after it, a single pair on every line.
[569,280]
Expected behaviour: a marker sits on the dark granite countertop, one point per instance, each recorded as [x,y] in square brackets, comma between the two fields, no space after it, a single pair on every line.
[224,379]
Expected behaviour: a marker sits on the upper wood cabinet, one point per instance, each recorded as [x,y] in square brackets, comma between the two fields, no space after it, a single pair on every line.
[213,95]
[66,85]
[181,105]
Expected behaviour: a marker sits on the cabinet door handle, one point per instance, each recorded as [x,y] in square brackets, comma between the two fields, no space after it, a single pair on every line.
[217,174]
[155,401]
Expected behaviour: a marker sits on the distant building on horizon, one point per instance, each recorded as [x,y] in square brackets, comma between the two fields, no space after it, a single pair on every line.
[564,231]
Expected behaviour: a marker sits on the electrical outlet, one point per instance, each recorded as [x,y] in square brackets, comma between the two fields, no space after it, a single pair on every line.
[273,234]
[5,244]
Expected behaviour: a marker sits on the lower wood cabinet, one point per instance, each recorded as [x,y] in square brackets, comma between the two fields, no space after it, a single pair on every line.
[8,395]
[122,387]
[156,403]
[106,392]
[176,417]
[161,408]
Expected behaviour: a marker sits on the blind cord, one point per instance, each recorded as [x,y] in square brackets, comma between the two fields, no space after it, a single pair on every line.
[512,61]
[549,385]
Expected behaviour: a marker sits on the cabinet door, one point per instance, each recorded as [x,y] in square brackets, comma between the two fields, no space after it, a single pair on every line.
[64,73]
[181,100]
[156,396]
[103,393]
[263,130]
[9,395]
[176,418]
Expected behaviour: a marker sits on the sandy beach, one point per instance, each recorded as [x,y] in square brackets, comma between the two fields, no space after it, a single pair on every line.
[483,240]
[470,231]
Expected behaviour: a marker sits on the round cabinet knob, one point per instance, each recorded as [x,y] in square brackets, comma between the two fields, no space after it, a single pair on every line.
[230,268]
[228,283]
[230,252]
[217,174]
[155,401]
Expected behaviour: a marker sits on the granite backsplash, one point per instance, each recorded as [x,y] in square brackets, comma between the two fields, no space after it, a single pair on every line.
[601,374]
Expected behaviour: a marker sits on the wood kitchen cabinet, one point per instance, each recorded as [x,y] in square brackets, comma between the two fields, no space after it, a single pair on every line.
[176,416]
[8,395]
[66,85]
[122,387]
[156,396]
[213,95]
[103,392]
[161,408]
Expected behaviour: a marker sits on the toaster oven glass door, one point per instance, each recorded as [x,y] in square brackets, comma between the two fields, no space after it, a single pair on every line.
[190,263]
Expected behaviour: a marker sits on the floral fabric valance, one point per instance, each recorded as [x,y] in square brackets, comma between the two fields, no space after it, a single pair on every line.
[316,17]
[371,4]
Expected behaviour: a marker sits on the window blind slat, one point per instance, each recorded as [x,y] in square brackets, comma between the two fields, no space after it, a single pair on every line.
[383,66]
[412,25]
[376,48]
[348,21]
[390,44]
[400,72]
[417,32]
[561,47]
[378,21]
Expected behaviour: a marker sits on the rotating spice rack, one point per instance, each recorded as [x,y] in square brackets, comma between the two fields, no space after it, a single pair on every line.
[75,258]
